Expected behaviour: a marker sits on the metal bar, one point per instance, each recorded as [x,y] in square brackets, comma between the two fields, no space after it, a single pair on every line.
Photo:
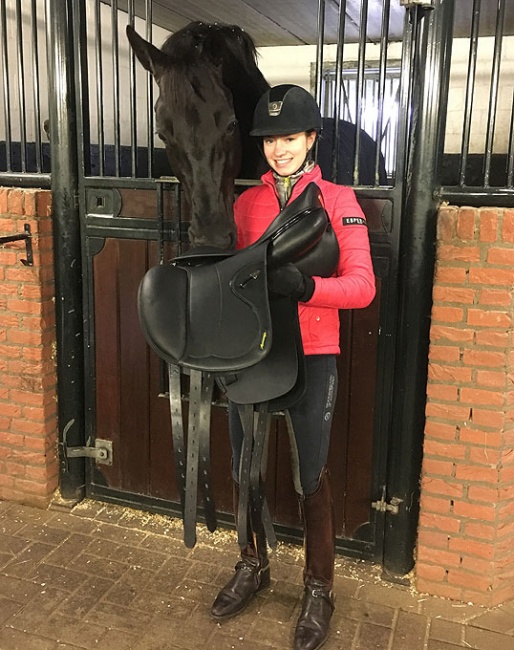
[382,78]
[431,72]
[361,62]
[7,90]
[25,180]
[82,90]
[149,94]
[133,97]
[35,88]
[338,82]
[99,88]
[67,241]
[319,52]
[21,87]
[116,85]
[470,91]
[493,96]
[477,196]
[510,159]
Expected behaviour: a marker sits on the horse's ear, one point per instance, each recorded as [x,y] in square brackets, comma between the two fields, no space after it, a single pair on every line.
[150,57]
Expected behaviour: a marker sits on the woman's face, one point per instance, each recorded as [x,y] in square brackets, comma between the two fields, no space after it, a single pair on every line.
[286,153]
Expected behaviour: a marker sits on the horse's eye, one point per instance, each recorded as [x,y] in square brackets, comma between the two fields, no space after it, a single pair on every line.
[160,136]
[232,127]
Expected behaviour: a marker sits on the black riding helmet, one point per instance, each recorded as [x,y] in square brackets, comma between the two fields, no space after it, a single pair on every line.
[285,109]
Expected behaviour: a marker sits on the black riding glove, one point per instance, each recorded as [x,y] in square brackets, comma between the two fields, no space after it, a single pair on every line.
[289,281]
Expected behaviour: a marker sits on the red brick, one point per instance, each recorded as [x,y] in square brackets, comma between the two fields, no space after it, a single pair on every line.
[441,589]
[454,294]
[474,511]
[491,276]
[4,195]
[480,437]
[447,314]
[15,201]
[450,274]
[484,456]
[466,223]
[44,203]
[438,467]
[446,223]
[494,297]
[448,412]
[471,547]
[484,397]
[467,579]
[492,339]
[508,226]
[453,334]
[488,318]
[439,522]
[488,225]
[440,486]
[444,353]
[483,358]
[477,473]
[442,392]
[440,430]
[491,378]
[445,450]
[481,531]
[451,374]
[430,572]
[458,253]
[433,504]
[501,256]
[431,539]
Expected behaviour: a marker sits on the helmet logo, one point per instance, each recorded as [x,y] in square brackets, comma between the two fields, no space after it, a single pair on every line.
[274,108]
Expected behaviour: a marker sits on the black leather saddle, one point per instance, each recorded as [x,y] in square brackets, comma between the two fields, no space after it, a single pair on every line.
[209,314]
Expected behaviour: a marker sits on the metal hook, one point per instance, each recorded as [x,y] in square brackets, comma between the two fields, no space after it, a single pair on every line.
[27,236]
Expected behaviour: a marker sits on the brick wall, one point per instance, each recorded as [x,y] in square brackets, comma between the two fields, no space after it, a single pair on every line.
[28,410]
[466,530]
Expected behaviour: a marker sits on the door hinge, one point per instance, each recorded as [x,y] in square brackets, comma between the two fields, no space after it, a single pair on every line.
[393,507]
[101,452]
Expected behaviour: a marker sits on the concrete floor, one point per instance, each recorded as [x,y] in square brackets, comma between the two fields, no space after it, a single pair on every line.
[112,578]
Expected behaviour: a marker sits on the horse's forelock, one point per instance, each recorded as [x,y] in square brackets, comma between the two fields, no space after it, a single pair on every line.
[214,41]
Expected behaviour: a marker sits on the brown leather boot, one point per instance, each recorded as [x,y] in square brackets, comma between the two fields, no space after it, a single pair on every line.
[318,575]
[252,573]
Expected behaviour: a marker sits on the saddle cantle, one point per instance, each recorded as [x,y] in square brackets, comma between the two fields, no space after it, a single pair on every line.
[209,312]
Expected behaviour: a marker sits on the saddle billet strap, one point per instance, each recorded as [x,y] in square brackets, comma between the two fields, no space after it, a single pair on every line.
[251,487]
[295,458]
[258,501]
[204,460]
[200,392]
[177,429]
[246,417]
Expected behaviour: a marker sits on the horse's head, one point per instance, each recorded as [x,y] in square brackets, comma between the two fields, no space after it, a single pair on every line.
[195,118]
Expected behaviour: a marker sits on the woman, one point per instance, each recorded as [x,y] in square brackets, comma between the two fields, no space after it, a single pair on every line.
[288,120]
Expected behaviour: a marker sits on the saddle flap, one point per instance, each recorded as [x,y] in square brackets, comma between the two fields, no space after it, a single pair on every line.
[161,305]
[228,321]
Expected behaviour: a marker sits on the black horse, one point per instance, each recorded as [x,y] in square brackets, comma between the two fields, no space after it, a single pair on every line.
[209,84]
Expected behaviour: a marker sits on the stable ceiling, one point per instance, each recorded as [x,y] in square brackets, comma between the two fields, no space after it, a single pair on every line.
[294,22]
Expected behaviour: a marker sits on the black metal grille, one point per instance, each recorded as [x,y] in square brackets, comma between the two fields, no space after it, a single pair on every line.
[479,151]
[478,157]
[24,147]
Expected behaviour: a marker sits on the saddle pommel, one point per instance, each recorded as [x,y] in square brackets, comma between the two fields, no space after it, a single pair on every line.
[302,234]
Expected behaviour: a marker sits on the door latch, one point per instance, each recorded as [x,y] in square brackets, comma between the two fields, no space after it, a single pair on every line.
[382,506]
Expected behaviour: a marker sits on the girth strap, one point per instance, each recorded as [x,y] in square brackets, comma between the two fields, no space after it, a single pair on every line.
[177,429]
[252,498]
[193,463]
